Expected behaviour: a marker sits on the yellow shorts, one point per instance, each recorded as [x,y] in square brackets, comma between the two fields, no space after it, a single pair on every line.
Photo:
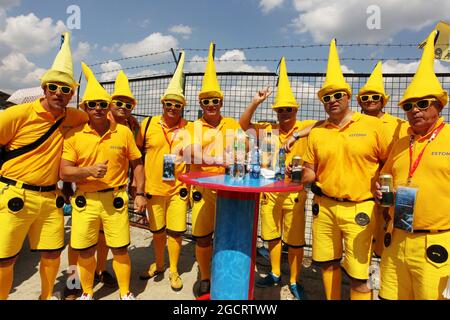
[203,211]
[25,212]
[109,209]
[283,217]
[349,222]
[414,266]
[168,212]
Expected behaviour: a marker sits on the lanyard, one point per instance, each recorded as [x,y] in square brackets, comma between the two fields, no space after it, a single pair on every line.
[169,142]
[413,166]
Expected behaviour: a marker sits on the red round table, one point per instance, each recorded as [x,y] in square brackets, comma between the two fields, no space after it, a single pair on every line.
[236,228]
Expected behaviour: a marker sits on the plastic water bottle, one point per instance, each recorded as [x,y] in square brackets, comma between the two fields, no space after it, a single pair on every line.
[281,165]
[255,167]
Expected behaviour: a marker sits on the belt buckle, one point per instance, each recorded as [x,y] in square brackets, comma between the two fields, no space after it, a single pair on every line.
[340,199]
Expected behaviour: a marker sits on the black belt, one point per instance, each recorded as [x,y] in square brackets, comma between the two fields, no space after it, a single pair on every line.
[113,189]
[28,186]
[429,231]
[318,192]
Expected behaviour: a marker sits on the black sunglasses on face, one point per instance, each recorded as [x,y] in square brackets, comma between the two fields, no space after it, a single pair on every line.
[370,97]
[337,96]
[53,87]
[94,104]
[171,104]
[287,109]
[207,102]
[121,104]
[422,104]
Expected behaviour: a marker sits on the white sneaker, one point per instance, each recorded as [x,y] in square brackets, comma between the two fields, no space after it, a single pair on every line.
[85,296]
[128,296]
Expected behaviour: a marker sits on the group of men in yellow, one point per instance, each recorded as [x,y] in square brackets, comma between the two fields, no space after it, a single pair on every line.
[343,156]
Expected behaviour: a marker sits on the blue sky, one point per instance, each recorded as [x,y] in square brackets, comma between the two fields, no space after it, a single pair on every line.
[29,33]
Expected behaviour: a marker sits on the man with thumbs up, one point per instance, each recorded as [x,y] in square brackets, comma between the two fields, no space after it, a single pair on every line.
[96,156]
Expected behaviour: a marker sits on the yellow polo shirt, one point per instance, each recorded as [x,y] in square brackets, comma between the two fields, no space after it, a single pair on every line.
[394,128]
[432,176]
[348,158]
[156,146]
[85,147]
[25,123]
[299,148]
[214,140]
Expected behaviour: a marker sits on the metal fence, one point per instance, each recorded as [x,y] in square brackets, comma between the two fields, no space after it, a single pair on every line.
[239,88]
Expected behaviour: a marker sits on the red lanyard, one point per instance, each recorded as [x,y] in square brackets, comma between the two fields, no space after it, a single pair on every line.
[413,166]
[169,142]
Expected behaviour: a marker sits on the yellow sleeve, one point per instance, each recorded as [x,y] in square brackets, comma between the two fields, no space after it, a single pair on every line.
[69,152]
[310,155]
[9,124]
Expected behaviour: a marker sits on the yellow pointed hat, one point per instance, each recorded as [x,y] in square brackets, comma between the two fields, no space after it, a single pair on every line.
[285,96]
[175,89]
[122,87]
[425,83]
[334,79]
[210,84]
[94,90]
[375,84]
[62,68]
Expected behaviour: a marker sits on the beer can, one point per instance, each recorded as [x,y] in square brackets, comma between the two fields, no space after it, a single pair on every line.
[296,173]
[387,190]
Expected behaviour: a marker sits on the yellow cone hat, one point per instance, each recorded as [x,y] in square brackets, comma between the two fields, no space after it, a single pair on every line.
[62,68]
[210,84]
[285,96]
[175,89]
[375,84]
[94,90]
[425,83]
[334,79]
[122,87]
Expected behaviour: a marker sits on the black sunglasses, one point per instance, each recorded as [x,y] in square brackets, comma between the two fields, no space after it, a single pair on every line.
[52,87]
[337,96]
[171,104]
[121,104]
[207,102]
[372,97]
[422,104]
[94,104]
[287,109]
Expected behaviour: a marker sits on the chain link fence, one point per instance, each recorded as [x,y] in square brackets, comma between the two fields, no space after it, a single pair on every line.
[239,88]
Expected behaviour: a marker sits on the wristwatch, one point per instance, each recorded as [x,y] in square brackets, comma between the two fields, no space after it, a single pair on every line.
[296,135]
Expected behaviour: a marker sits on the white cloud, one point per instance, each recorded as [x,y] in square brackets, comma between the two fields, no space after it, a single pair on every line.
[110,69]
[392,66]
[82,51]
[346,69]
[233,60]
[156,42]
[18,72]
[268,5]
[29,34]
[182,29]
[325,19]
